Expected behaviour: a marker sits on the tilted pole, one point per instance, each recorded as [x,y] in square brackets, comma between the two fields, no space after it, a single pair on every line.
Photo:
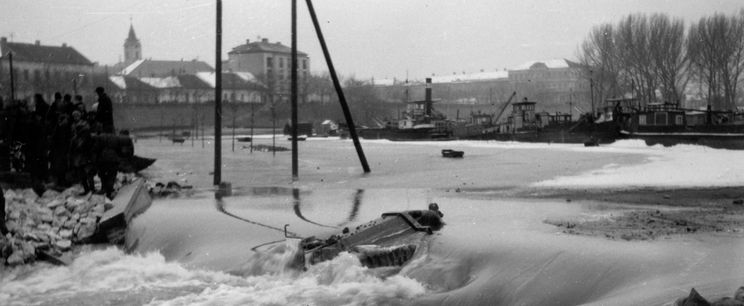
[218,99]
[293,93]
[339,91]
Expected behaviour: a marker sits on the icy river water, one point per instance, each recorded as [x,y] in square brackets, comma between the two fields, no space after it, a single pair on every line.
[495,248]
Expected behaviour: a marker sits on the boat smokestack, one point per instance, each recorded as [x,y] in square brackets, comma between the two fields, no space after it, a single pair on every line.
[427,99]
[428,90]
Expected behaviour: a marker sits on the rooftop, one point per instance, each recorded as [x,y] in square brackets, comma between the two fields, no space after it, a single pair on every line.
[547,64]
[264,46]
[37,52]
[160,68]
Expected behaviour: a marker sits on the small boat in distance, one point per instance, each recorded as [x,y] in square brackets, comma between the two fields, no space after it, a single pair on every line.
[452,153]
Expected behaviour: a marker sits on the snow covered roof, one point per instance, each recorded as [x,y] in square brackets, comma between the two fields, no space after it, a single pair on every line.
[124,82]
[246,76]
[471,77]
[548,64]
[158,68]
[264,46]
[230,80]
[118,80]
[167,82]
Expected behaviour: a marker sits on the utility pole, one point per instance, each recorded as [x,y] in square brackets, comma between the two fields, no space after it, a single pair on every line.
[218,98]
[591,90]
[12,78]
[570,104]
[252,104]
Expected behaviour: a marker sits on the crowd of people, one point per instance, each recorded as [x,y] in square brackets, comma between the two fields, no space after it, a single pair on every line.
[60,143]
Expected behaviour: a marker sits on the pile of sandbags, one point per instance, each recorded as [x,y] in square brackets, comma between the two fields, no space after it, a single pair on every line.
[51,223]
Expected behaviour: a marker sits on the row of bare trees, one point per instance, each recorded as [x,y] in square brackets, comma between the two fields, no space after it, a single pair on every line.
[654,58]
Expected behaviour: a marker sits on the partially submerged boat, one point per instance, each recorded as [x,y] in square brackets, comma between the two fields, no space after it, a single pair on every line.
[388,241]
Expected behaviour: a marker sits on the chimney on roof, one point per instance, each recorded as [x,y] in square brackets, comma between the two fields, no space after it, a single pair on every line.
[264,40]
[38,42]
[64,45]
[247,41]
[3,40]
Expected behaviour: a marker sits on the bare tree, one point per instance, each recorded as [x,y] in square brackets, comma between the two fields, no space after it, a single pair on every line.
[716,47]
[599,57]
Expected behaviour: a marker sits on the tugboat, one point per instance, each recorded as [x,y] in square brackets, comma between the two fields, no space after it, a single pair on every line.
[526,124]
[421,122]
[388,241]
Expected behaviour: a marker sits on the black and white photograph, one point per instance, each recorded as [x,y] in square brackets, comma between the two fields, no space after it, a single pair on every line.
[372,152]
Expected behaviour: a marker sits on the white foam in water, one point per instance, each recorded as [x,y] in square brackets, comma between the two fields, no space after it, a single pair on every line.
[110,276]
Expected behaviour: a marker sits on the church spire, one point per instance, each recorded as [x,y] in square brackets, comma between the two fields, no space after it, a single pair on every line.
[132,46]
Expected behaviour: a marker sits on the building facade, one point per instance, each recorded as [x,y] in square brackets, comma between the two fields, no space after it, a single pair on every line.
[271,64]
[557,85]
[43,69]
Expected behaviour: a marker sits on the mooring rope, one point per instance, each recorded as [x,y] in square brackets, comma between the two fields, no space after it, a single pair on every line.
[221,208]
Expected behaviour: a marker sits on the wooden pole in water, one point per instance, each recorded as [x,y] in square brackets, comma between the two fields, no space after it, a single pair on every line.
[252,108]
[293,92]
[233,126]
[218,98]
[339,91]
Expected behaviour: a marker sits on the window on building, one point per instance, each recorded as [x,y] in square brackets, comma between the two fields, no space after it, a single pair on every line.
[678,120]
[37,76]
[642,119]
[269,62]
[304,64]
[281,62]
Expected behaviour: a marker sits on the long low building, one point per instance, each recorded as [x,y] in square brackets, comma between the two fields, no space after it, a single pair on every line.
[186,88]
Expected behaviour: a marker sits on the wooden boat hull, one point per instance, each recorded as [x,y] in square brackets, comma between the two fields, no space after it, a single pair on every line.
[723,140]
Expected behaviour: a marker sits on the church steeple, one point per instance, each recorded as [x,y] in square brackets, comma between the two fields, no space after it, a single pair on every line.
[132,47]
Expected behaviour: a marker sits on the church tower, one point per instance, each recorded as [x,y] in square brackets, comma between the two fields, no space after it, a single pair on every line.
[132,48]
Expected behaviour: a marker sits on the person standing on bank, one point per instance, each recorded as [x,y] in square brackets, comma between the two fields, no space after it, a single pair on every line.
[105,112]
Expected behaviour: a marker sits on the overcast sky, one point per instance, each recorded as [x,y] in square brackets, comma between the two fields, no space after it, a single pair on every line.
[366,38]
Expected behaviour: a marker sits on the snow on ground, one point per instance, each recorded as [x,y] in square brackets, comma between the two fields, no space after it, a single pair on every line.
[677,166]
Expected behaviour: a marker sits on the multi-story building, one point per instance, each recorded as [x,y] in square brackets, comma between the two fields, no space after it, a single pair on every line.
[166,81]
[43,69]
[270,63]
[558,85]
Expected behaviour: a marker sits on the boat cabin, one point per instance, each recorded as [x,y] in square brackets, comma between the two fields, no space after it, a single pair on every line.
[523,115]
[545,119]
[481,118]
[661,114]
